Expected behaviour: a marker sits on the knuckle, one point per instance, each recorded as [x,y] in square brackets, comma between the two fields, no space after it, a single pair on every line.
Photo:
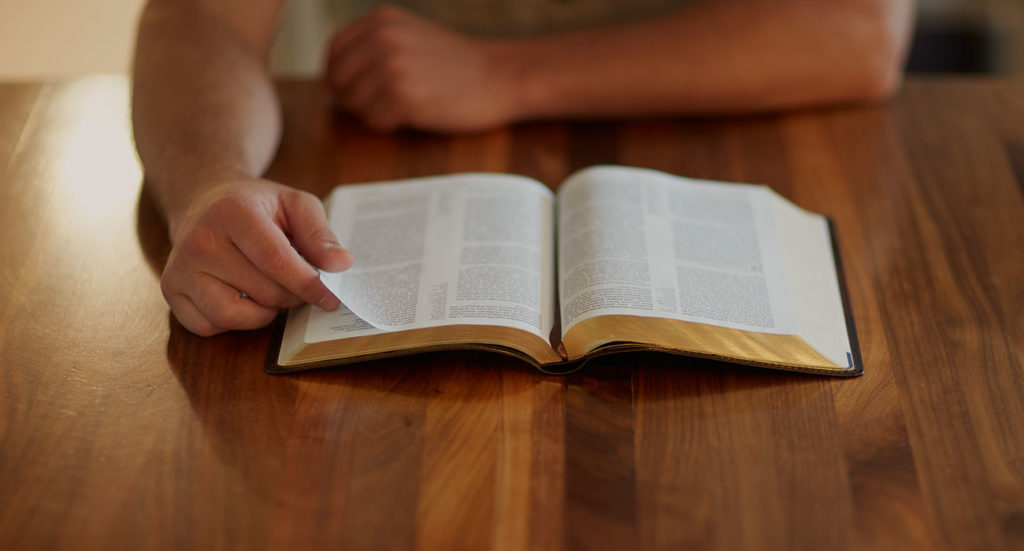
[226,317]
[175,277]
[235,318]
[167,283]
[402,93]
[200,241]
[393,69]
[387,39]
[273,260]
[225,208]
[300,197]
[277,297]
[319,234]
[386,13]
[204,328]
[196,324]
[311,288]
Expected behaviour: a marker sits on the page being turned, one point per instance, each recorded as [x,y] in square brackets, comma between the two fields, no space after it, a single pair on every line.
[464,249]
[644,243]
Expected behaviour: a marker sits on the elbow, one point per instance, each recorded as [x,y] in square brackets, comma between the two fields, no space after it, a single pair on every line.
[880,78]
[876,49]
[857,77]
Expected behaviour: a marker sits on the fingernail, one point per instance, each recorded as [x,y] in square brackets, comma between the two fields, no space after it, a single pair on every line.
[329,302]
[340,260]
[349,259]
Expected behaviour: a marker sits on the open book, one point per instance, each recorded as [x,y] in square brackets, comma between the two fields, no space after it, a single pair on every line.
[620,259]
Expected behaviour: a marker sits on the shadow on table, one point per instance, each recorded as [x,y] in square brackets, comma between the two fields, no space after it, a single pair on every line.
[360,435]
[287,437]
[151,230]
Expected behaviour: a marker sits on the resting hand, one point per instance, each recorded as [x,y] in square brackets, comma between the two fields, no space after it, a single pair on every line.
[392,68]
[245,249]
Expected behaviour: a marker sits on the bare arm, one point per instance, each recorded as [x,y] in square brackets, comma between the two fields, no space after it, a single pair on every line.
[203,106]
[727,56]
[207,124]
[717,57]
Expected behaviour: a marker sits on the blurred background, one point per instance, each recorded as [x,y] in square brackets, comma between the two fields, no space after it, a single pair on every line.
[51,38]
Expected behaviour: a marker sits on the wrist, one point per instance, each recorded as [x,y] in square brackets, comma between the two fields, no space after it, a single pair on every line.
[180,196]
[526,92]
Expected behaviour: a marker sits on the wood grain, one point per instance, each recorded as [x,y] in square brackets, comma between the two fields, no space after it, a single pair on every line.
[120,430]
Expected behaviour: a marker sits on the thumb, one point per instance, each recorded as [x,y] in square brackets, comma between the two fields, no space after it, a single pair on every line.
[312,235]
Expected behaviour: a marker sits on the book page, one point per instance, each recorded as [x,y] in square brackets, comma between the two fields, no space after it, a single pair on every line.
[812,280]
[463,249]
[644,243]
[640,242]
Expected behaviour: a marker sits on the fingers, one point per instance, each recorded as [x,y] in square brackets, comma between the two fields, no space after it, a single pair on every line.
[354,33]
[356,95]
[269,250]
[367,63]
[217,308]
[255,237]
[371,98]
[361,44]
[346,68]
[208,252]
[206,305]
[236,271]
[392,68]
[312,234]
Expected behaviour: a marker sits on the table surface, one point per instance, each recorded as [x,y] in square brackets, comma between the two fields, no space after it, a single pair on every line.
[118,429]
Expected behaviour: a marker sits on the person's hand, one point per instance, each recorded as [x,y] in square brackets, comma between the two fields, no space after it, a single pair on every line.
[245,249]
[392,68]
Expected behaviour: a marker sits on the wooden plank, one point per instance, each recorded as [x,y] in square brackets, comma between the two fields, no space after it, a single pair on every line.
[120,429]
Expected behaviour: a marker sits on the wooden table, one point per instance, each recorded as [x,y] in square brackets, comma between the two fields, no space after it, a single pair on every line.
[118,429]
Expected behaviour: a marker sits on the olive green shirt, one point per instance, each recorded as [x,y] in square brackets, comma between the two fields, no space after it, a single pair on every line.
[307,25]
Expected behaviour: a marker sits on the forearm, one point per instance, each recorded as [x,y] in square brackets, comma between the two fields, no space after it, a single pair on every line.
[716,57]
[204,109]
